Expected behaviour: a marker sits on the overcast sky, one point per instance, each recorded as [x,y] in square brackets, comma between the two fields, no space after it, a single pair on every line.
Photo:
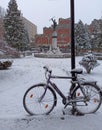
[40,11]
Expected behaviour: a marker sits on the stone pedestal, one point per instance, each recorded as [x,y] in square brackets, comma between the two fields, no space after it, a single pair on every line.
[54,40]
[53,48]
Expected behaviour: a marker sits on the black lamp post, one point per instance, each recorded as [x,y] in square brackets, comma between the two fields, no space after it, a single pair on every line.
[72,46]
[72,35]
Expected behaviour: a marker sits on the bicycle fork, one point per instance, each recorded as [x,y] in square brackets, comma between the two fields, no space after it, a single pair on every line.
[40,99]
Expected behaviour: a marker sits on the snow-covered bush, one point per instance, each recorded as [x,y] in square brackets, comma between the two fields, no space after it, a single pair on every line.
[89,62]
[6,51]
[5,64]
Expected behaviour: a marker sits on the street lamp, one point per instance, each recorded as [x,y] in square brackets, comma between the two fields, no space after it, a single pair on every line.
[72,47]
[72,35]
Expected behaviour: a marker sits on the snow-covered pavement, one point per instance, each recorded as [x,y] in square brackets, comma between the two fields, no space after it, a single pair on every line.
[28,71]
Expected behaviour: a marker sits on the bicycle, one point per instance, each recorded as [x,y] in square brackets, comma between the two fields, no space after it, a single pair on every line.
[84,96]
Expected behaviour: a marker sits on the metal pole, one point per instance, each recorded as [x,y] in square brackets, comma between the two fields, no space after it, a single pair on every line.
[72,48]
[72,35]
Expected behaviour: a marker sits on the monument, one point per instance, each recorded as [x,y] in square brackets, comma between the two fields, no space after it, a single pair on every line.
[54,49]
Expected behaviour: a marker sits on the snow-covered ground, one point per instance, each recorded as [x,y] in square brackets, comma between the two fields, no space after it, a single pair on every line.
[28,71]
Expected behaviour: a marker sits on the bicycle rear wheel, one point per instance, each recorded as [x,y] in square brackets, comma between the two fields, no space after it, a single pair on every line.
[32,103]
[90,101]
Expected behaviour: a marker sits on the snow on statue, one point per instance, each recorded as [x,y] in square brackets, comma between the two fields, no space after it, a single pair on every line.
[89,62]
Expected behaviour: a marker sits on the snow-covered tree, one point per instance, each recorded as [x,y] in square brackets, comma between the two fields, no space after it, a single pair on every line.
[82,37]
[101,32]
[97,34]
[15,33]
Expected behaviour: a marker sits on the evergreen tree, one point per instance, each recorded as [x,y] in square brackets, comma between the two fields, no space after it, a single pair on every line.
[82,37]
[87,37]
[101,32]
[97,34]
[15,33]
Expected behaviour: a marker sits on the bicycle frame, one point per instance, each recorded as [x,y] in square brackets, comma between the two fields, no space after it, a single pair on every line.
[54,86]
[74,81]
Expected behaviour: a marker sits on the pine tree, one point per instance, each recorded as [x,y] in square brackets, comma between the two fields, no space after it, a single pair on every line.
[101,33]
[15,33]
[97,34]
[82,37]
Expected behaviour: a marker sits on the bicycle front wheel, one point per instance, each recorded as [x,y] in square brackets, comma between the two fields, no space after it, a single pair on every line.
[32,103]
[88,98]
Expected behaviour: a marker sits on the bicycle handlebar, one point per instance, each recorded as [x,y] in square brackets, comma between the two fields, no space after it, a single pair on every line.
[47,71]
[46,68]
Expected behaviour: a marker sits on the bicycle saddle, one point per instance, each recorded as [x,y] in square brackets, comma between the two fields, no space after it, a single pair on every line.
[77,71]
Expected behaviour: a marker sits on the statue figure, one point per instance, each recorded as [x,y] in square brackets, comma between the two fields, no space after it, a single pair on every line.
[54,23]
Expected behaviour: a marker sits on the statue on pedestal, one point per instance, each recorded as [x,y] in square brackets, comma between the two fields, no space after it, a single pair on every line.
[54,49]
[54,24]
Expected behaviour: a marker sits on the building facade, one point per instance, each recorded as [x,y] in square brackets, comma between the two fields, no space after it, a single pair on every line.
[31,28]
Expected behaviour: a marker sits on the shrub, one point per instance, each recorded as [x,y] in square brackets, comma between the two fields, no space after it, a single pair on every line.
[5,64]
[89,62]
